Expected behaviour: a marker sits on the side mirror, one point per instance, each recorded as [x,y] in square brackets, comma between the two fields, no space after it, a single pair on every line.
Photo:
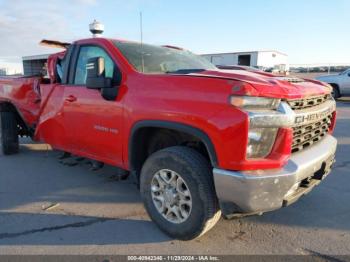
[95,74]
[349,74]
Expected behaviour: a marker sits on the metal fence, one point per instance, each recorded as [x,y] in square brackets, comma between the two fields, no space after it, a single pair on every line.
[319,68]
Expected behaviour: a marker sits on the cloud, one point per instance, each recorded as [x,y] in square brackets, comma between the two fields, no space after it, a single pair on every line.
[24,23]
[87,2]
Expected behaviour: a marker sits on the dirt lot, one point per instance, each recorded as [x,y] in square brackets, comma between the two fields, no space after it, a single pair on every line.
[96,214]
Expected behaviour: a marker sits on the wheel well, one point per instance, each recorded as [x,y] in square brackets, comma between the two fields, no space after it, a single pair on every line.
[22,127]
[334,85]
[145,140]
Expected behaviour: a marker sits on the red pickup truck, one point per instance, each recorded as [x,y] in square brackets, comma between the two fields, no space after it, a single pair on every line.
[199,140]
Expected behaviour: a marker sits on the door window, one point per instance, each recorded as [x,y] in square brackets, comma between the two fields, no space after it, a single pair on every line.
[87,52]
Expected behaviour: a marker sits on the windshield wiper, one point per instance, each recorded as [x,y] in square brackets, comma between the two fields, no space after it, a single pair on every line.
[186,71]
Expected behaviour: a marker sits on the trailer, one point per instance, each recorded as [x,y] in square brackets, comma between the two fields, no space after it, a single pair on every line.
[270,60]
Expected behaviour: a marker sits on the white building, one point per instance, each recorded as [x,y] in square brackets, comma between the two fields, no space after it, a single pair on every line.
[260,59]
[34,65]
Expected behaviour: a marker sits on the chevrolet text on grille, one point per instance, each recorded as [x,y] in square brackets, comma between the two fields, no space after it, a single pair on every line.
[312,116]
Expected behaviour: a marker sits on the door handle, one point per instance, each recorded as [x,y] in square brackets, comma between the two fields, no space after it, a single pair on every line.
[71,98]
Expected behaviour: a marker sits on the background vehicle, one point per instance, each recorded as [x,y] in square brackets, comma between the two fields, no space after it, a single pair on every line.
[200,141]
[339,82]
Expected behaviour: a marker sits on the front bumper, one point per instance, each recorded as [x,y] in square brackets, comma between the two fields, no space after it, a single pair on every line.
[251,192]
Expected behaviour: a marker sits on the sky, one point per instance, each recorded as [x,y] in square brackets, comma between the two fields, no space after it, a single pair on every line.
[310,32]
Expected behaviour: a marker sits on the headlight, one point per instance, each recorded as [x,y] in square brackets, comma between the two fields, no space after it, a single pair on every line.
[254,102]
[260,142]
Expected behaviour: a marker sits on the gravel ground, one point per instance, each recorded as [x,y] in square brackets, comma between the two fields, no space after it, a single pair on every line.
[50,208]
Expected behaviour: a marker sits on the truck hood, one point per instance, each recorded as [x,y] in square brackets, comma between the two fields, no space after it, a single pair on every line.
[268,85]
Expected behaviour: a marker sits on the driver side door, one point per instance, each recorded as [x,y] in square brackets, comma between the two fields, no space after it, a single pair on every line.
[95,123]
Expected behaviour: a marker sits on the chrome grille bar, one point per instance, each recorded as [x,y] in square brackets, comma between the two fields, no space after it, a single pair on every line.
[297,104]
[306,135]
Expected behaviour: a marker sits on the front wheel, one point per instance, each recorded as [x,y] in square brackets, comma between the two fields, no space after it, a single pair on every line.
[178,192]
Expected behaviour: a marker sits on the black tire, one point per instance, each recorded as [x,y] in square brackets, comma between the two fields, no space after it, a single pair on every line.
[195,170]
[335,92]
[8,134]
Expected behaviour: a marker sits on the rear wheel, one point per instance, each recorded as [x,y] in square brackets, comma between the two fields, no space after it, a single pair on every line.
[178,192]
[8,133]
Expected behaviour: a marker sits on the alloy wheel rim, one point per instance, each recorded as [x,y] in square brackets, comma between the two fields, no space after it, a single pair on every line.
[171,196]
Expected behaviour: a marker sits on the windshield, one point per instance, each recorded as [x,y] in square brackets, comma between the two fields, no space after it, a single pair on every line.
[158,59]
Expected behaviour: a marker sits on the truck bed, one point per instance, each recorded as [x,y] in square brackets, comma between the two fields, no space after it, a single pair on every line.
[24,94]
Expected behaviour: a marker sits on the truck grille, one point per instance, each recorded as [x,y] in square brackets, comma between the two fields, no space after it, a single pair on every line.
[298,104]
[306,135]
